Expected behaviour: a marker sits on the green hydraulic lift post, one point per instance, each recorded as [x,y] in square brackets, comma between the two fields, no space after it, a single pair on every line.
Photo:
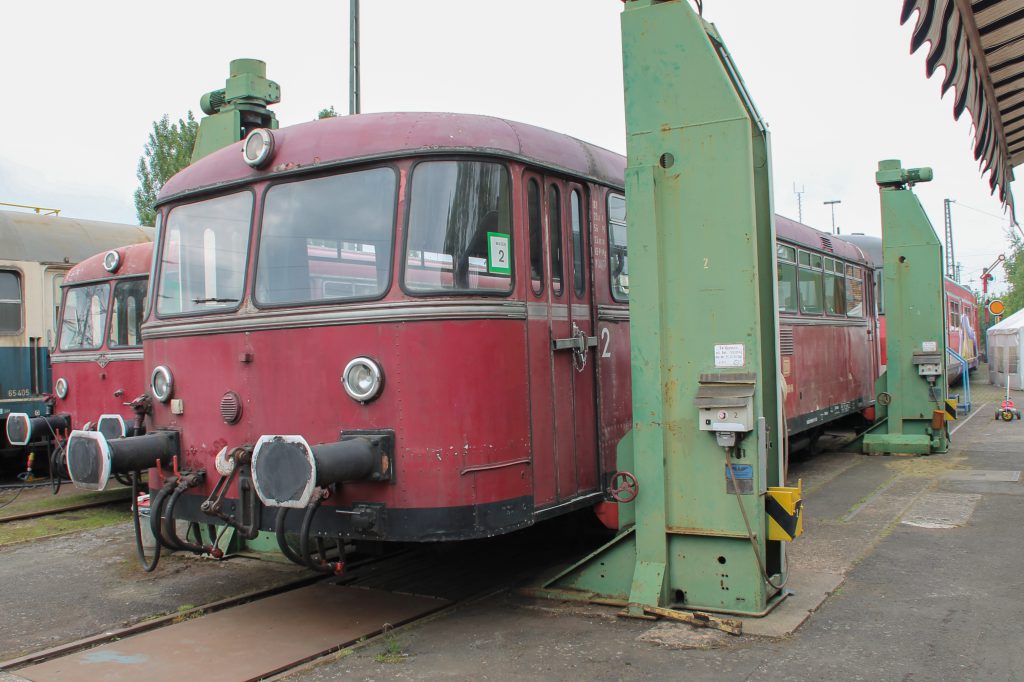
[238,108]
[232,113]
[706,420]
[911,392]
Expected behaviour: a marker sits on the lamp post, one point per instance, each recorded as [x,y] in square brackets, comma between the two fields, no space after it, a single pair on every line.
[833,205]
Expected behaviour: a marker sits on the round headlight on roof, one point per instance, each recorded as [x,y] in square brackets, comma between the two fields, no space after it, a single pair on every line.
[60,387]
[362,379]
[162,383]
[112,260]
[258,148]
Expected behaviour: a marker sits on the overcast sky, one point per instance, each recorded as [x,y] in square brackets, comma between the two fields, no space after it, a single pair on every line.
[84,82]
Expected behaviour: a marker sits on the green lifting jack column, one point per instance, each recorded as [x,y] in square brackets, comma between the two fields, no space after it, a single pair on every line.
[911,392]
[238,108]
[706,419]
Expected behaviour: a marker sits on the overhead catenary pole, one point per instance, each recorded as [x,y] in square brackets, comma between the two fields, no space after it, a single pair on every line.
[950,262]
[353,58]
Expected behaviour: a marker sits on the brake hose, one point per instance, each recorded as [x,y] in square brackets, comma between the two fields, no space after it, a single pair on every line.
[139,549]
[282,540]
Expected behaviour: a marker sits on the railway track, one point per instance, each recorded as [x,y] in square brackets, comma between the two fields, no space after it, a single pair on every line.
[271,632]
[96,500]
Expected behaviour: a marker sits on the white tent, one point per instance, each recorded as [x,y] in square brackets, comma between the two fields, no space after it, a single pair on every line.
[1005,347]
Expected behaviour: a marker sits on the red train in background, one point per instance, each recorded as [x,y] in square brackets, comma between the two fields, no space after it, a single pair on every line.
[828,359]
[962,313]
[97,359]
[415,327]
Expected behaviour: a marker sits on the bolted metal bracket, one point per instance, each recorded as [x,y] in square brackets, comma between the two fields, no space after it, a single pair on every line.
[382,441]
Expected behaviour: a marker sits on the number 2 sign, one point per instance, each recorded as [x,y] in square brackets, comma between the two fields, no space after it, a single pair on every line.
[499,258]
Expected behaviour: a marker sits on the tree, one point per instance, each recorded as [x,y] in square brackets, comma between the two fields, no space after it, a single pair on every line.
[168,150]
[329,112]
[1014,266]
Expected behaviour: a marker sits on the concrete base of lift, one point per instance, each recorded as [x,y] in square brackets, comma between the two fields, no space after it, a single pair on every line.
[885,443]
[605,577]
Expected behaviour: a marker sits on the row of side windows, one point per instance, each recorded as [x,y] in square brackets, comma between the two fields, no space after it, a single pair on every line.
[813,284]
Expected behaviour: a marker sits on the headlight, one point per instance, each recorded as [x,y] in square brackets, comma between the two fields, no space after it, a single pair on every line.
[362,379]
[61,388]
[258,148]
[111,260]
[162,383]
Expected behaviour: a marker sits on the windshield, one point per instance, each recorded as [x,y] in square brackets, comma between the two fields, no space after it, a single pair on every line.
[127,313]
[202,263]
[85,317]
[327,239]
[460,239]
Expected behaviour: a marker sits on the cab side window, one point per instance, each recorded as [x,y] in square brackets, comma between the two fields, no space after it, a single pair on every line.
[618,261]
[787,278]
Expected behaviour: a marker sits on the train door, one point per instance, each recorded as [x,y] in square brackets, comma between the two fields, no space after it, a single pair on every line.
[583,328]
[560,322]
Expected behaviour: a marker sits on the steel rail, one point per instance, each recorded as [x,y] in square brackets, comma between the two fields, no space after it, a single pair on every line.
[59,510]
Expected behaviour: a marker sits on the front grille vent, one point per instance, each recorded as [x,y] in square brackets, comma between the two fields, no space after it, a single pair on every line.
[231,407]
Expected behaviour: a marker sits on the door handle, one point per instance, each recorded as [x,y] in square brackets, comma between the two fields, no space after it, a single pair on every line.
[579,341]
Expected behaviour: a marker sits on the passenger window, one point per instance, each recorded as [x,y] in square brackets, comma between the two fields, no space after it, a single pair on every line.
[536,237]
[811,286]
[854,292]
[460,228]
[618,261]
[10,301]
[835,288]
[555,235]
[579,279]
[787,278]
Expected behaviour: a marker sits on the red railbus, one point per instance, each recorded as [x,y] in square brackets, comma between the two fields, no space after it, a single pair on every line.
[962,313]
[407,326]
[97,364]
[827,328]
[97,359]
[961,326]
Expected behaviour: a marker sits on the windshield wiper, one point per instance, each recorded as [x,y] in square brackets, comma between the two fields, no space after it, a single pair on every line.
[214,299]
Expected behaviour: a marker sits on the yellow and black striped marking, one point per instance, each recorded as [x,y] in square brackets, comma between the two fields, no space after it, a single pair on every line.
[784,507]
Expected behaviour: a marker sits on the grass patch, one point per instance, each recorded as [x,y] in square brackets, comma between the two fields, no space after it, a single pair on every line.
[183,613]
[59,524]
[33,504]
[392,652]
